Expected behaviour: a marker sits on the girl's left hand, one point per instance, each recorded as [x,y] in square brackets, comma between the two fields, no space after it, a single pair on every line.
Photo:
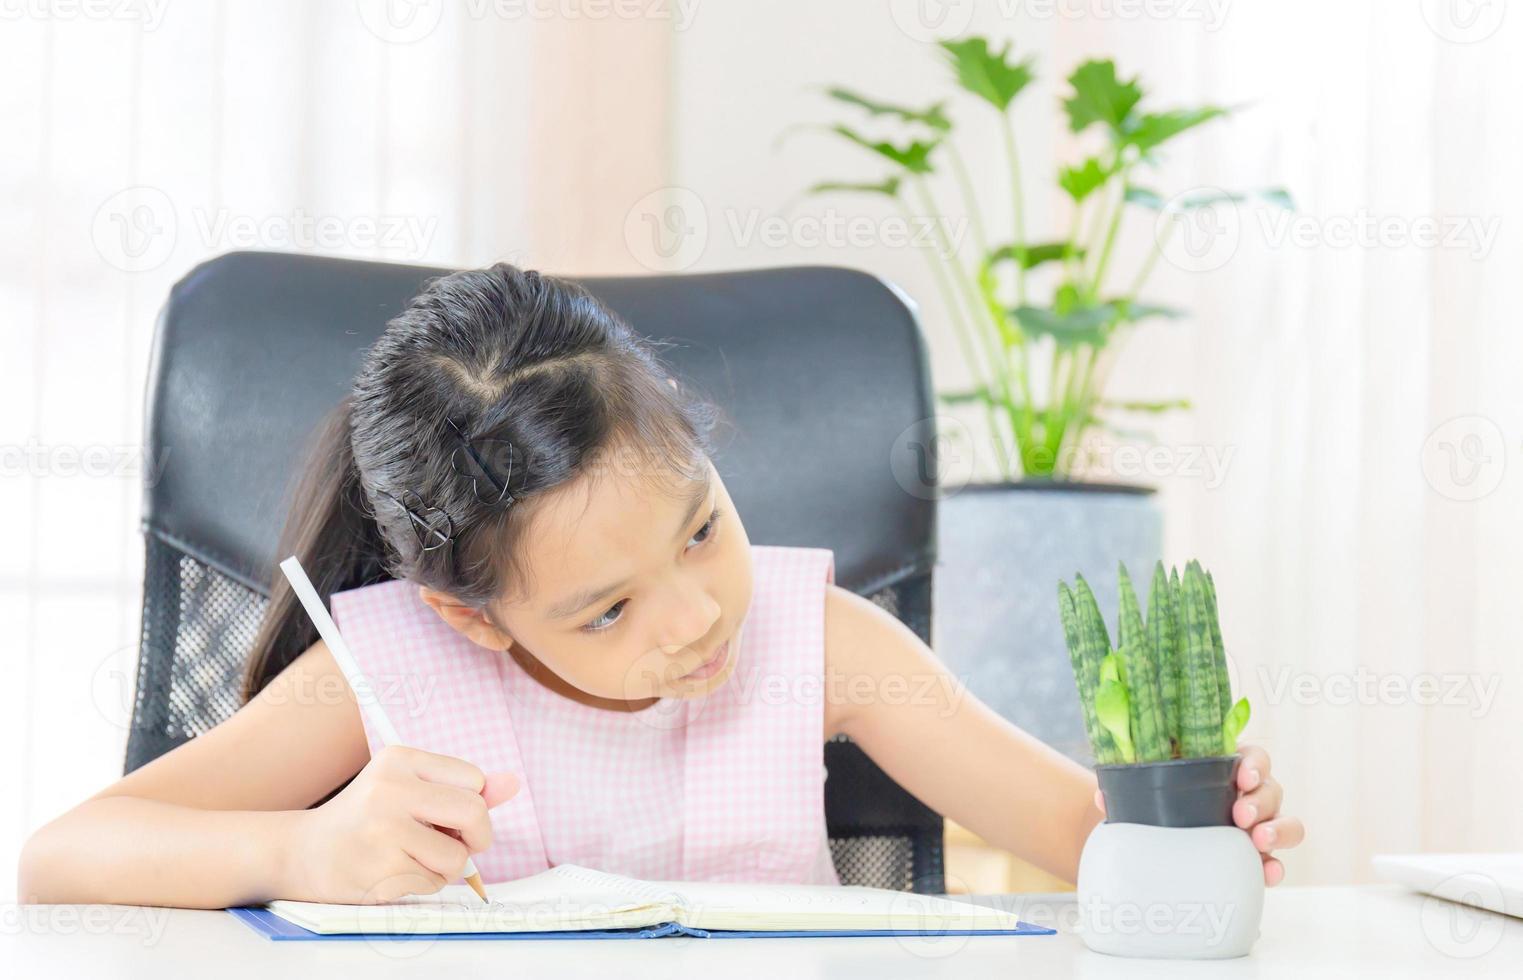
[1257,811]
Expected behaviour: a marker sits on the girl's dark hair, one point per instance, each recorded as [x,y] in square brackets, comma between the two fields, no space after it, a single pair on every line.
[509,357]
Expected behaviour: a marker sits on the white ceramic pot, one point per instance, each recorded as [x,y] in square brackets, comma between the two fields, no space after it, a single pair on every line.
[1194,890]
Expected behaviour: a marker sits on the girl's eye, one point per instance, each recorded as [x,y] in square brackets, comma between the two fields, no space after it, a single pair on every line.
[603,622]
[709,526]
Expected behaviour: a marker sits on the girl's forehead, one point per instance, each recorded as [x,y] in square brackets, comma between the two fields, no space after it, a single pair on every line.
[607,525]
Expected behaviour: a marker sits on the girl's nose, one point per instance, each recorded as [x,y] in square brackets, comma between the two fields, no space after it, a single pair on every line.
[693,615]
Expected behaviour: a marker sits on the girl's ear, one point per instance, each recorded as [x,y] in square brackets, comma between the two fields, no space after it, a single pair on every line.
[470,623]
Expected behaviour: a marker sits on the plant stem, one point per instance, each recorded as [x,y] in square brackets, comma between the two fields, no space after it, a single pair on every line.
[1017,205]
[998,355]
[970,201]
[970,355]
[1147,263]
[1110,241]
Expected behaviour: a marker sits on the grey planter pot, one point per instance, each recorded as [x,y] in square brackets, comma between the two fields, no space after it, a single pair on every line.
[1002,549]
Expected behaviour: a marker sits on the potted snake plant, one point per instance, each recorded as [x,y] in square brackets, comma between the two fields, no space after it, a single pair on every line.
[1168,874]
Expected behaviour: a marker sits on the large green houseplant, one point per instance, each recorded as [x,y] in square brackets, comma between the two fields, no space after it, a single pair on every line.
[1038,317]
[1163,726]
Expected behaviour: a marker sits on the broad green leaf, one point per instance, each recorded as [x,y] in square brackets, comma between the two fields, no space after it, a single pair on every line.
[1154,128]
[1153,201]
[1069,297]
[1155,408]
[989,75]
[1031,256]
[1083,325]
[1131,311]
[933,116]
[1082,180]
[888,186]
[964,397]
[1278,196]
[1099,96]
[1233,725]
[915,157]
[1146,198]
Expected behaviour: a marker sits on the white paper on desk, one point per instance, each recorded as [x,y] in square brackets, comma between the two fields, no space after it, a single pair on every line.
[571,897]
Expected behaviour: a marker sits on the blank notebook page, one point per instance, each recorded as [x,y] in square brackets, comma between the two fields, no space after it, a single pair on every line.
[569,897]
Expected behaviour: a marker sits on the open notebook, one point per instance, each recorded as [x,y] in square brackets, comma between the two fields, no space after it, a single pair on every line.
[573,902]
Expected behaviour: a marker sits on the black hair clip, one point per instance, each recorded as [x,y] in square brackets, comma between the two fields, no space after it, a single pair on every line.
[424,525]
[480,467]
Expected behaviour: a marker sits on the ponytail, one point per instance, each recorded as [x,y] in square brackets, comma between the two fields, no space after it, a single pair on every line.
[330,530]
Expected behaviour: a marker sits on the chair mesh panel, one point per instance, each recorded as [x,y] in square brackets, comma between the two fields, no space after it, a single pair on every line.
[199,626]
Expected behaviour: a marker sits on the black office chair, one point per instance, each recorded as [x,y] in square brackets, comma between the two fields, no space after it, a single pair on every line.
[820,370]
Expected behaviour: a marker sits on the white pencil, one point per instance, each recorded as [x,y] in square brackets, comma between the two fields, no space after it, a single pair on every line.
[328,630]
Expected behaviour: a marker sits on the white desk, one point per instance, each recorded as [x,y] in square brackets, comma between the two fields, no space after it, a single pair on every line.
[1377,931]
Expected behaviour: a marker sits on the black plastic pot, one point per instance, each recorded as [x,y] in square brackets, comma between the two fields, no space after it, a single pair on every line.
[1175,793]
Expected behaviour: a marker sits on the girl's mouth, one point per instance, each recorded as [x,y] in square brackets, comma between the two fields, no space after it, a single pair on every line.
[711,666]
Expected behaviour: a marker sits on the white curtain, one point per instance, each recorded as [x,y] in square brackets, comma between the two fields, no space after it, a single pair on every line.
[143,138]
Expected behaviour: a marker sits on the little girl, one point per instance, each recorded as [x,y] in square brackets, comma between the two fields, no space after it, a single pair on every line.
[524,541]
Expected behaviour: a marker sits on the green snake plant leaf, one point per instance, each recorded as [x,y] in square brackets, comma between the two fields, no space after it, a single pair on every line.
[1233,725]
[1100,97]
[1084,680]
[1201,715]
[1094,647]
[990,75]
[1113,707]
[934,116]
[1161,636]
[1149,736]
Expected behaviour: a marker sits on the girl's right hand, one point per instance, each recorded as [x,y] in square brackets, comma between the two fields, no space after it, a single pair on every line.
[403,826]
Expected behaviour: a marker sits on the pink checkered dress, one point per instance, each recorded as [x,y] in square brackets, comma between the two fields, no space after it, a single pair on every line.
[725,787]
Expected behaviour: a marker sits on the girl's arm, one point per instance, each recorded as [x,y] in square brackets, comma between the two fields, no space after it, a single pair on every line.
[888,692]
[208,824]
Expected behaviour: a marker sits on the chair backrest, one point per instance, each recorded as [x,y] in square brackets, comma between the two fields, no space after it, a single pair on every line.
[823,368]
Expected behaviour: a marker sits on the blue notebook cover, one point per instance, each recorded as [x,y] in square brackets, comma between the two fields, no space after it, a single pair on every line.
[272,926]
